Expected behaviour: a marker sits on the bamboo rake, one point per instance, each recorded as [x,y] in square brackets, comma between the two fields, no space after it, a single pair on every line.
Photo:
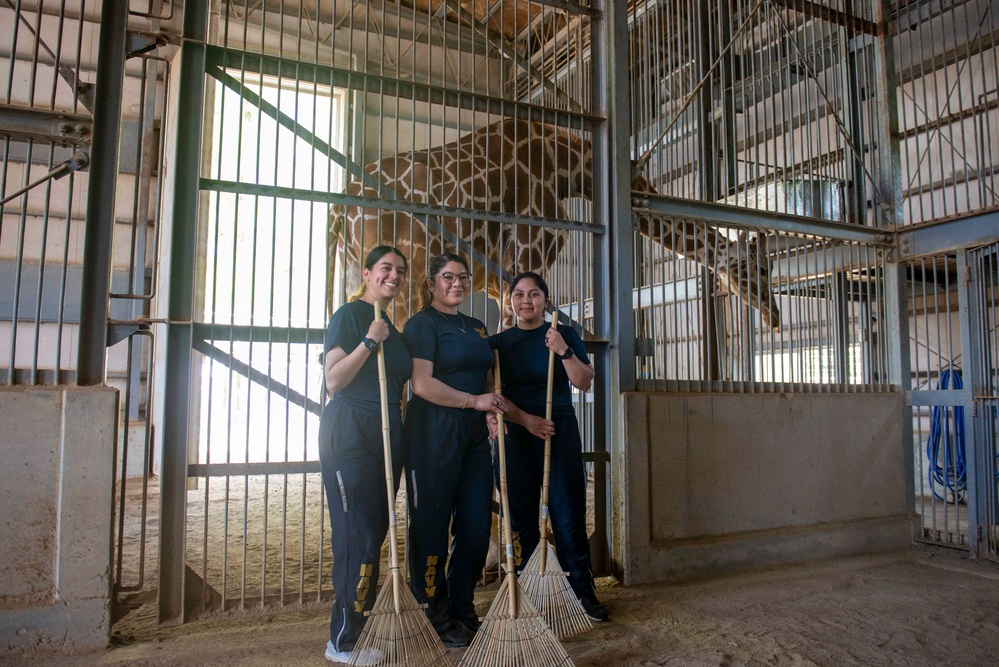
[543,578]
[397,632]
[513,633]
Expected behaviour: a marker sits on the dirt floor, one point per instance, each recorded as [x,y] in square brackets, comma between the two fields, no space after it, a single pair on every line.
[922,606]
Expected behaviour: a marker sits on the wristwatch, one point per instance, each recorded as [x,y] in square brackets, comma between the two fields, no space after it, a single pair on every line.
[567,354]
[368,343]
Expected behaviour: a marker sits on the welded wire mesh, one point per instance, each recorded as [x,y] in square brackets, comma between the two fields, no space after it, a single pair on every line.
[47,50]
[947,57]
[716,329]
[735,100]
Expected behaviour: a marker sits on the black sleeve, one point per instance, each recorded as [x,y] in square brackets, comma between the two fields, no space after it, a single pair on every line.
[420,335]
[344,331]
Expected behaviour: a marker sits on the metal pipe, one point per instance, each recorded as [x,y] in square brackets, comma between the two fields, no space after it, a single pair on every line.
[180,313]
[96,278]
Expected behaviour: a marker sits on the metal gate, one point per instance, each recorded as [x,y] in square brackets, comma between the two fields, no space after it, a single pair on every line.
[51,275]
[309,116]
[983,422]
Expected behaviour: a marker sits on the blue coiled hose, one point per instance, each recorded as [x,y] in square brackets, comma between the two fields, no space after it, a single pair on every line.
[951,474]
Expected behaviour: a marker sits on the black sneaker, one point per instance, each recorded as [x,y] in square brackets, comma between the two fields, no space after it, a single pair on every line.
[468,625]
[593,608]
[452,637]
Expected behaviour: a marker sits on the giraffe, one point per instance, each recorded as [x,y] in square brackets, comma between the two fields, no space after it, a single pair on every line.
[518,167]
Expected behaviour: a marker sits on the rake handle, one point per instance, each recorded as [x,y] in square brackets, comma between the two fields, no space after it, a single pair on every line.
[504,495]
[389,477]
[546,475]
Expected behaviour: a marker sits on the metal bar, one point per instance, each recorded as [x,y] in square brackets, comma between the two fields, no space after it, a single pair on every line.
[843,19]
[291,335]
[43,124]
[180,312]
[911,16]
[384,85]
[613,319]
[934,397]
[741,218]
[79,160]
[980,488]
[947,236]
[245,469]
[417,209]
[101,194]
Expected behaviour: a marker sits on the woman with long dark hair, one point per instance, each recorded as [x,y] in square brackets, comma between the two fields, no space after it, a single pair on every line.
[449,472]
[524,351]
[350,442]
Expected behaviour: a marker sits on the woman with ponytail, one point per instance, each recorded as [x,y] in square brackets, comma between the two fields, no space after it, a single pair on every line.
[350,442]
[449,472]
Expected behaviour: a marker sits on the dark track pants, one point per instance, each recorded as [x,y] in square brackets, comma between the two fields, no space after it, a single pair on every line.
[350,453]
[448,483]
[525,457]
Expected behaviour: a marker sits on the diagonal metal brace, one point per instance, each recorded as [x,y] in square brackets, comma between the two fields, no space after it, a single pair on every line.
[79,160]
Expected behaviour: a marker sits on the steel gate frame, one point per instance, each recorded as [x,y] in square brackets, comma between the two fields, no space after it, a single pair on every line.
[184,334]
[982,418]
[964,239]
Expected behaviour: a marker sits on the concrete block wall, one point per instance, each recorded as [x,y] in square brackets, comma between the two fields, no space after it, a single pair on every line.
[56,494]
[717,482]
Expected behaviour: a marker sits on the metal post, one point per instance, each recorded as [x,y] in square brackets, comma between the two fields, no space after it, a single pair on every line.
[96,276]
[180,313]
[979,487]
[613,318]
[708,174]
[858,205]
[895,332]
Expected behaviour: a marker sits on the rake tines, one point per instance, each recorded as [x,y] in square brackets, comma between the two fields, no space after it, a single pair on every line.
[403,638]
[544,582]
[514,635]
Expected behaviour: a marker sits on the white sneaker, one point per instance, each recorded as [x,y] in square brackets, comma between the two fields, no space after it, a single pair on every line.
[368,656]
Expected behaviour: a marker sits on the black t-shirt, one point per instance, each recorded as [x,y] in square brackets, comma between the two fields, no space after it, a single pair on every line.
[347,327]
[524,369]
[461,359]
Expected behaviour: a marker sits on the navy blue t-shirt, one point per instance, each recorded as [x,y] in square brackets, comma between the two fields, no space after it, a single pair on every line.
[347,327]
[461,359]
[524,369]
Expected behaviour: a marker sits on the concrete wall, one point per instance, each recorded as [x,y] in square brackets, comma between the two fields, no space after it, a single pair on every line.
[56,486]
[715,482]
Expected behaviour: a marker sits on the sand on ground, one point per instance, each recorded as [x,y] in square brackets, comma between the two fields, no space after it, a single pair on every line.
[920,606]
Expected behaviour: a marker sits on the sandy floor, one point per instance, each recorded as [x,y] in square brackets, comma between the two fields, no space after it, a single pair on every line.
[923,606]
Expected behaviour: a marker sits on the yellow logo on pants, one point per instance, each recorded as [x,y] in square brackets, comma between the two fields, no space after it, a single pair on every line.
[430,575]
[517,550]
[363,585]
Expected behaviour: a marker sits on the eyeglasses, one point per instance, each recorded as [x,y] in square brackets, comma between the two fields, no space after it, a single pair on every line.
[449,278]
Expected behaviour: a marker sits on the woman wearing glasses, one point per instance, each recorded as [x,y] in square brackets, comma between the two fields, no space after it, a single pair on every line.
[448,467]
[350,442]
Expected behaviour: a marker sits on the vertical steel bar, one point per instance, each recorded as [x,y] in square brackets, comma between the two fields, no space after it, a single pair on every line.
[611,203]
[980,487]
[96,272]
[180,313]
